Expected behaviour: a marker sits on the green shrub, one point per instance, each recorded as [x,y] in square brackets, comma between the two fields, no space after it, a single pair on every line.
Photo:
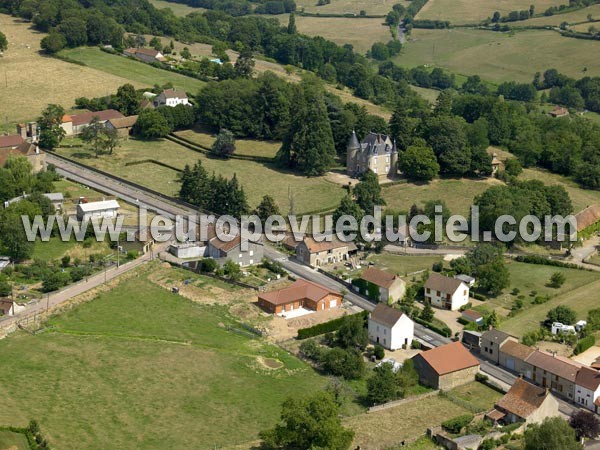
[584,344]
[444,331]
[415,345]
[456,424]
[379,351]
[482,378]
[325,327]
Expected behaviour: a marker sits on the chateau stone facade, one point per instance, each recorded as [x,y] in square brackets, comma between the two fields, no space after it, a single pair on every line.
[376,152]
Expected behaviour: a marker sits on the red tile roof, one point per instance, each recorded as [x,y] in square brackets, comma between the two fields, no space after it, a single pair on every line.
[316,247]
[588,378]
[563,368]
[442,283]
[103,116]
[379,277]
[587,217]
[517,350]
[10,141]
[523,398]
[449,358]
[471,314]
[299,289]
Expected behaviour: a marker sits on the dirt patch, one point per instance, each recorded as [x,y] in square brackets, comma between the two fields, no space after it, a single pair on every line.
[270,363]
[551,347]
[280,329]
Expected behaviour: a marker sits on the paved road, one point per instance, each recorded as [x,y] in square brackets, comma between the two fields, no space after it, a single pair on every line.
[124,191]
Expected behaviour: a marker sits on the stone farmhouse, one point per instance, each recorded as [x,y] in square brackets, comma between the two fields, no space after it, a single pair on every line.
[524,402]
[446,367]
[74,124]
[32,152]
[391,287]
[445,292]
[300,296]
[316,254]
[148,55]
[390,327]
[222,250]
[491,341]
[376,152]
[123,125]
[171,97]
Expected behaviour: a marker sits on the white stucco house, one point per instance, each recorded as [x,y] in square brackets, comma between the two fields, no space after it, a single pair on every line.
[445,292]
[171,97]
[94,210]
[390,327]
[587,388]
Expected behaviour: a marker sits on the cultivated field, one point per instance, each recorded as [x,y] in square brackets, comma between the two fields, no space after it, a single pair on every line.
[139,73]
[571,17]
[308,193]
[138,367]
[458,194]
[499,57]
[463,11]
[30,80]
[361,33]
[375,7]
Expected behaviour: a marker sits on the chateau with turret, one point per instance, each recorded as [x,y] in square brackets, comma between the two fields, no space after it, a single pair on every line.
[376,153]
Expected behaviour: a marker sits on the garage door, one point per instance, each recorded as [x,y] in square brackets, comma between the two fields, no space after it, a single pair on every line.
[510,363]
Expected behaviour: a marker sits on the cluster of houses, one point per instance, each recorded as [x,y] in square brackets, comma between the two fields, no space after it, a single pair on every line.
[562,376]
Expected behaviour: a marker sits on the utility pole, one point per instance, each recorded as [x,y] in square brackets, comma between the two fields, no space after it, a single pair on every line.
[47,302]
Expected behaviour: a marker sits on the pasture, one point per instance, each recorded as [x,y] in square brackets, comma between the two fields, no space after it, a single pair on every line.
[499,57]
[403,264]
[31,80]
[136,72]
[138,367]
[578,16]
[581,198]
[13,441]
[360,33]
[464,11]
[458,194]
[179,9]
[375,7]
[581,298]
[308,193]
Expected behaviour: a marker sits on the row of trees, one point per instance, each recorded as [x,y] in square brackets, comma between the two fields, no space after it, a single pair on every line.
[569,92]
[213,193]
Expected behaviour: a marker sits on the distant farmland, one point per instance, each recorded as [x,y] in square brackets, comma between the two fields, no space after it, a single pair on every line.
[499,57]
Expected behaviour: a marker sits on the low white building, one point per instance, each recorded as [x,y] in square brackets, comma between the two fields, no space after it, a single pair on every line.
[390,327]
[587,388]
[189,250]
[93,210]
[445,292]
[171,97]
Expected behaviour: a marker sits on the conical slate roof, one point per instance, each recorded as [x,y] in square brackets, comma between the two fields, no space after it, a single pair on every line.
[353,141]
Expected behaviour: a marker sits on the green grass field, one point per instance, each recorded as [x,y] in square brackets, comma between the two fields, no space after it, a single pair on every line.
[403,264]
[13,441]
[581,299]
[374,7]
[179,9]
[458,194]
[528,278]
[499,57]
[463,11]
[130,69]
[571,17]
[478,395]
[581,198]
[258,179]
[141,368]
[244,147]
